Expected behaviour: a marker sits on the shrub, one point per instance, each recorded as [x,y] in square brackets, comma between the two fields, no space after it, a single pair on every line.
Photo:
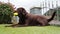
[6,13]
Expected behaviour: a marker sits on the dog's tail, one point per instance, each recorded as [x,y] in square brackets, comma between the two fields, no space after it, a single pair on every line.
[52,17]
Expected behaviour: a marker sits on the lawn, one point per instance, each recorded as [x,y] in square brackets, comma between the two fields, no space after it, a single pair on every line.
[29,30]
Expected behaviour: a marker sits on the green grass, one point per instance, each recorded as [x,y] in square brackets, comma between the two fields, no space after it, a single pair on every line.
[29,30]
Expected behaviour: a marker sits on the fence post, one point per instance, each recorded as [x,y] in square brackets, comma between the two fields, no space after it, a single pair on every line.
[57,10]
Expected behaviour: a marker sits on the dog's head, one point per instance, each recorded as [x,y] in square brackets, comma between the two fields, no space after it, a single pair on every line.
[21,11]
[21,14]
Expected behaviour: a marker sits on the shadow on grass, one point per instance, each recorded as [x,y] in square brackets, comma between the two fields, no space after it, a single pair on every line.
[17,25]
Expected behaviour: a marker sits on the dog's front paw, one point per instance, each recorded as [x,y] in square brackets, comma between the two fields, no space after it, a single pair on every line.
[26,24]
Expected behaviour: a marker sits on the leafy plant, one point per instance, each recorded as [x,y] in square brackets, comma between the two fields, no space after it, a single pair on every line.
[6,12]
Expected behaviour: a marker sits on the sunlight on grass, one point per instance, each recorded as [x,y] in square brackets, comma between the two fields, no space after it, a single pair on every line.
[29,30]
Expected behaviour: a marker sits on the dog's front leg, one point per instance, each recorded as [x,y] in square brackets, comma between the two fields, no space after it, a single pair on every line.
[26,22]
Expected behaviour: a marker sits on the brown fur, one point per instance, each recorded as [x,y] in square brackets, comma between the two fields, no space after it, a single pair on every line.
[32,20]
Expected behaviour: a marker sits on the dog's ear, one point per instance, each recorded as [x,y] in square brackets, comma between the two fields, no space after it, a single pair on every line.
[24,12]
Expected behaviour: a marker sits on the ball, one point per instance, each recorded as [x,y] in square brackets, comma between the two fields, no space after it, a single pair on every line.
[15,14]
